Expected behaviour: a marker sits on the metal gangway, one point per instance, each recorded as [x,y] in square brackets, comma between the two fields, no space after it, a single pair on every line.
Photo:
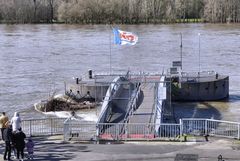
[130,101]
[118,102]
[149,112]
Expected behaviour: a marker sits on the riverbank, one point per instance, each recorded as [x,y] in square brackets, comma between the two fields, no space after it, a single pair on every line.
[54,149]
[115,12]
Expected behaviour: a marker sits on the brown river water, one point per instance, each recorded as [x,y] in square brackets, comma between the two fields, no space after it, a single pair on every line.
[35,60]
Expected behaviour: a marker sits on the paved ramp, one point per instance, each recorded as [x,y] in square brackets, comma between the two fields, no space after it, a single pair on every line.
[145,112]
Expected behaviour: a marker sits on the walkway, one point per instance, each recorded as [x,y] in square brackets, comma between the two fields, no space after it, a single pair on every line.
[53,149]
[145,112]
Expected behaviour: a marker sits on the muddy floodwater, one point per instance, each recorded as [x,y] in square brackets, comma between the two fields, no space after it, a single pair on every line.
[35,60]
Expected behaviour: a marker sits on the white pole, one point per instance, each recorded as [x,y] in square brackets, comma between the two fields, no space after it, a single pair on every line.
[181,51]
[110,54]
[199,48]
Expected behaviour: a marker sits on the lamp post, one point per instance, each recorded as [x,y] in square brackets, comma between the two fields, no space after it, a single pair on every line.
[110,54]
[199,61]
[181,51]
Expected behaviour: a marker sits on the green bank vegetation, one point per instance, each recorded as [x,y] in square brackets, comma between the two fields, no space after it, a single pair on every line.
[119,11]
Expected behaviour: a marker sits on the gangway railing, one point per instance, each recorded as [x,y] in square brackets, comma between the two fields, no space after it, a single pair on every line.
[110,94]
[132,106]
[116,94]
[105,111]
[159,101]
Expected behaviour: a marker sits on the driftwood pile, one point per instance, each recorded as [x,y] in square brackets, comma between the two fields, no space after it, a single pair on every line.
[66,105]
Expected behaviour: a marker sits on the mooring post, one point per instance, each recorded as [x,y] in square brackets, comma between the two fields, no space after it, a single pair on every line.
[220,158]
[206,128]
[181,127]
[185,137]
[117,133]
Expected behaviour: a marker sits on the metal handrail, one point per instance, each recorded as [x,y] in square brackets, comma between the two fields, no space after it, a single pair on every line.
[132,103]
[131,108]
[42,126]
[110,92]
[53,126]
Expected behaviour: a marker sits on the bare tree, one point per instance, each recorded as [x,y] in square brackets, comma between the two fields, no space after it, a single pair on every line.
[115,11]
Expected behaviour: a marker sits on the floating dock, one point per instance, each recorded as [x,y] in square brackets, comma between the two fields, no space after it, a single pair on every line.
[143,98]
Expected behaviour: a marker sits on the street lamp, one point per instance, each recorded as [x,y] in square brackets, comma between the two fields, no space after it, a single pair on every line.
[181,50]
[199,67]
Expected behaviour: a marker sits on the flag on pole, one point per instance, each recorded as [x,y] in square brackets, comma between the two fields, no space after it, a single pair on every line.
[124,37]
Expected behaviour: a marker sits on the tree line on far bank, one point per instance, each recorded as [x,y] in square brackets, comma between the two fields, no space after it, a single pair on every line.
[119,11]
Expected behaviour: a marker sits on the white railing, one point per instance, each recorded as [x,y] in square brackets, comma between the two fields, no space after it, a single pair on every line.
[45,126]
[129,131]
[211,127]
[161,97]
[72,128]
[122,131]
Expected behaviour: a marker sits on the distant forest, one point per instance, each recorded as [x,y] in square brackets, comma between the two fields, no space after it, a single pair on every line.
[119,11]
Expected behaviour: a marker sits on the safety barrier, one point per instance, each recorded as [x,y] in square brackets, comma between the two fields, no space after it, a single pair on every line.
[76,129]
[129,131]
[72,128]
[45,126]
[211,127]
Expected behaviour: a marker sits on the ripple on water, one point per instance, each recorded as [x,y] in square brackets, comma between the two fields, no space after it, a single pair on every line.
[44,55]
